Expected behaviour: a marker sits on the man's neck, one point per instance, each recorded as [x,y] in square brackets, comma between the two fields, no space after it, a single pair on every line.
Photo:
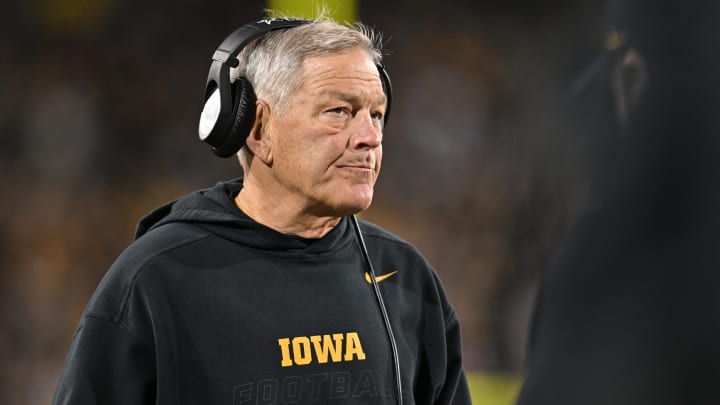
[282,216]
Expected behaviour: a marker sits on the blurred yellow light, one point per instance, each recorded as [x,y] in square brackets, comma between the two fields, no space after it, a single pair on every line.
[343,11]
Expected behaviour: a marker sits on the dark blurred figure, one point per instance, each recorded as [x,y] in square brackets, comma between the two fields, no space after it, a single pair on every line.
[630,311]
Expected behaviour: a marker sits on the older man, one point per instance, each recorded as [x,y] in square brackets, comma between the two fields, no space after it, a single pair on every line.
[263,289]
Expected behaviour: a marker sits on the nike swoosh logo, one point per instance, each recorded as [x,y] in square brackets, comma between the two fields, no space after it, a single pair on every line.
[379,278]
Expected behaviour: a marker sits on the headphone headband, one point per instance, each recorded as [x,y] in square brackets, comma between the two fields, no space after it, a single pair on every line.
[241,37]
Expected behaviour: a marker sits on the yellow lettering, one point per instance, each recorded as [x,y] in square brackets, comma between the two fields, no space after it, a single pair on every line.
[301,350]
[353,347]
[285,350]
[321,351]
[325,348]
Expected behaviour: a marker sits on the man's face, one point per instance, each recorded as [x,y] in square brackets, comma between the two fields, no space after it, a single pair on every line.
[326,145]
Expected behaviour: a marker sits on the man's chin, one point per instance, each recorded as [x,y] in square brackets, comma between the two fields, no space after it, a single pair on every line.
[354,207]
[349,200]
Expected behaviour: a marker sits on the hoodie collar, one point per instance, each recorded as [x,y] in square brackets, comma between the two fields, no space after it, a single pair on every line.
[214,210]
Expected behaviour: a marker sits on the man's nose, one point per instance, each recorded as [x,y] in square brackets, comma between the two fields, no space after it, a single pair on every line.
[367,131]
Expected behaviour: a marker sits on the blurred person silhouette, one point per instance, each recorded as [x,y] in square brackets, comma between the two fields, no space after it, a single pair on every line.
[629,313]
[263,289]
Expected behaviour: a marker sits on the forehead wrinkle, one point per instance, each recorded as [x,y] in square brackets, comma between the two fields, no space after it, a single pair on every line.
[328,81]
[349,97]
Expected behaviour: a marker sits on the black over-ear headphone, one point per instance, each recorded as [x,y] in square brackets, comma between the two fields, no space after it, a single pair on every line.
[229,109]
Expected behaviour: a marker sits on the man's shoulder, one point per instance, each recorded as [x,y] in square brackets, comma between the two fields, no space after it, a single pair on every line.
[157,242]
[382,239]
[110,298]
[376,232]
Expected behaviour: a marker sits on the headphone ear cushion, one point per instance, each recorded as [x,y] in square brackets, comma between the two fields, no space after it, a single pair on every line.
[243,119]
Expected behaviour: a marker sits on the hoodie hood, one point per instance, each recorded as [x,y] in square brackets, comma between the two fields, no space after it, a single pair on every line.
[214,210]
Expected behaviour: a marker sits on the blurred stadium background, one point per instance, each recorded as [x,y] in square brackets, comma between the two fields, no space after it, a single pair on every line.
[98,116]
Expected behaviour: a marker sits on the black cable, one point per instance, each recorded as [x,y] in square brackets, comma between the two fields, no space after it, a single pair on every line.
[381,304]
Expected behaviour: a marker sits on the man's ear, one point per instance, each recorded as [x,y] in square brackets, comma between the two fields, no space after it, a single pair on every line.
[629,80]
[258,141]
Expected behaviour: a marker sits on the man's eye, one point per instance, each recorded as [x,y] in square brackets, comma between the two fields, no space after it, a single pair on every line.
[338,110]
[377,115]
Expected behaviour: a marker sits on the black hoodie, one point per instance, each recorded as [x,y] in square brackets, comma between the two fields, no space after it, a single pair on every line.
[208,306]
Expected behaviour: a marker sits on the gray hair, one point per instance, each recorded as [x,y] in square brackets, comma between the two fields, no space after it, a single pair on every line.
[273,63]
